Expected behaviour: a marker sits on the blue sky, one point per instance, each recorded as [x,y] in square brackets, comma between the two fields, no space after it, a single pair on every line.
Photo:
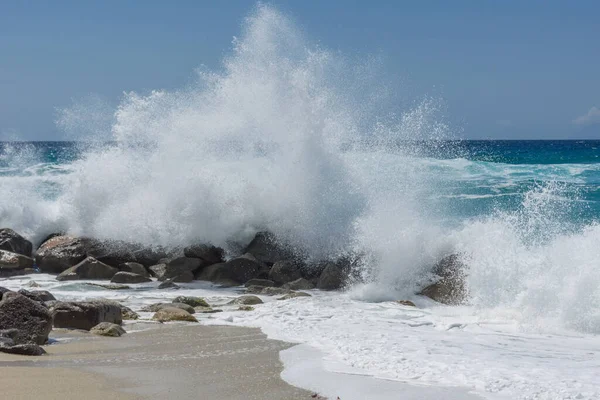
[504,69]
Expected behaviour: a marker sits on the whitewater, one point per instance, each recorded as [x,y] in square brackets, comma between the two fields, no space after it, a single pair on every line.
[303,142]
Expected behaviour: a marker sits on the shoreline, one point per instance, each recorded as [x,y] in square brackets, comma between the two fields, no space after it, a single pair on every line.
[166,361]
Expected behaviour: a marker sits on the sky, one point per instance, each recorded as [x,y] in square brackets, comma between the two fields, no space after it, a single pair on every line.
[503,69]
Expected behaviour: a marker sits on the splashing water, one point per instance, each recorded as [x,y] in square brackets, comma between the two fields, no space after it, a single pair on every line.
[289,138]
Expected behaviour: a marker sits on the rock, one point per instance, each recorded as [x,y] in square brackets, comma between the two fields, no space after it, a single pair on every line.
[6,341]
[13,242]
[331,278]
[5,273]
[111,252]
[284,271]
[406,303]
[255,289]
[208,253]
[109,286]
[37,295]
[159,306]
[211,273]
[168,284]
[29,321]
[128,314]
[173,314]
[150,255]
[33,284]
[60,253]
[245,308]
[267,249]
[3,290]
[192,301]
[206,310]
[259,282]
[134,267]
[108,329]
[449,282]
[89,268]
[180,269]
[27,349]
[293,295]
[241,269]
[85,315]
[13,261]
[247,300]
[299,284]
[273,291]
[129,277]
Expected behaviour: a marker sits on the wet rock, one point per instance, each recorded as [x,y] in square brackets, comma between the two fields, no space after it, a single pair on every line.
[255,289]
[208,253]
[13,242]
[273,291]
[247,300]
[180,269]
[268,249]
[168,284]
[135,268]
[40,296]
[129,277]
[449,281]
[85,315]
[284,271]
[159,306]
[331,278]
[191,301]
[107,329]
[128,314]
[299,284]
[89,268]
[13,261]
[3,290]
[150,255]
[246,308]
[259,282]
[211,273]
[33,284]
[110,252]
[407,303]
[293,295]
[28,320]
[27,349]
[241,269]
[173,314]
[60,253]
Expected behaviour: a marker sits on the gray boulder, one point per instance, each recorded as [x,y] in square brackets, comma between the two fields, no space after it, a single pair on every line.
[26,349]
[60,253]
[268,249]
[299,284]
[241,269]
[247,300]
[284,271]
[293,295]
[85,315]
[89,268]
[28,321]
[14,261]
[259,282]
[128,314]
[448,286]
[168,284]
[129,277]
[191,301]
[159,306]
[273,291]
[13,242]
[173,314]
[107,329]
[331,278]
[206,252]
[180,269]
[134,267]
[40,296]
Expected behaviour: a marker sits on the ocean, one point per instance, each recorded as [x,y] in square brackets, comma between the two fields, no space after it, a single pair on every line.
[288,138]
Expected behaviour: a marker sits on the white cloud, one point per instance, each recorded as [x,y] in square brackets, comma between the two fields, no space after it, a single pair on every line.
[590,118]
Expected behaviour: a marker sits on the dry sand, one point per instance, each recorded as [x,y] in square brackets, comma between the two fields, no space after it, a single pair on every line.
[165,362]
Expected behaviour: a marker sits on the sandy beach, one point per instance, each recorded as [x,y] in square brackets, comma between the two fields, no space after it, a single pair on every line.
[165,362]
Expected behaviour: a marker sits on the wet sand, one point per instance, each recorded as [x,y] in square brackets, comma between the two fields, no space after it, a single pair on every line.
[165,362]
